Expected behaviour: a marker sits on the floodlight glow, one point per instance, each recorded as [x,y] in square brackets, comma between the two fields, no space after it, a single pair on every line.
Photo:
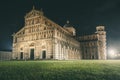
[112,53]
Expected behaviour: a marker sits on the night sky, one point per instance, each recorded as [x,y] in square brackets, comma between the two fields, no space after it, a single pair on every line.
[84,15]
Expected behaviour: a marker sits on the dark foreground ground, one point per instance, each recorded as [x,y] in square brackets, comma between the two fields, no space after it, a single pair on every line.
[60,70]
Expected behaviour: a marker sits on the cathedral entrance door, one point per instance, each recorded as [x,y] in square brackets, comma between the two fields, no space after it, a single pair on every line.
[31,54]
[93,57]
[43,54]
[21,55]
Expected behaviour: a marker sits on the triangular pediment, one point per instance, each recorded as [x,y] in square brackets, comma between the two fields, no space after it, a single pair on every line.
[33,13]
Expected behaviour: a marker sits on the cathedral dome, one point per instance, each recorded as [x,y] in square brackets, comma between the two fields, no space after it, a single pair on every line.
[67,24]
[70,28]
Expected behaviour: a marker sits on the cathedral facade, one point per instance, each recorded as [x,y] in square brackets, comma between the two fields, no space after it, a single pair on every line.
[41,38]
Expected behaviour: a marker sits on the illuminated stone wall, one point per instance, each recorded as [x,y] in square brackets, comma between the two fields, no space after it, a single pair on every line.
[5,55]
[94,46]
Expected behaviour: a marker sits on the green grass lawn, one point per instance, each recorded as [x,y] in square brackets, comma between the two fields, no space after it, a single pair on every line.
[60,70]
